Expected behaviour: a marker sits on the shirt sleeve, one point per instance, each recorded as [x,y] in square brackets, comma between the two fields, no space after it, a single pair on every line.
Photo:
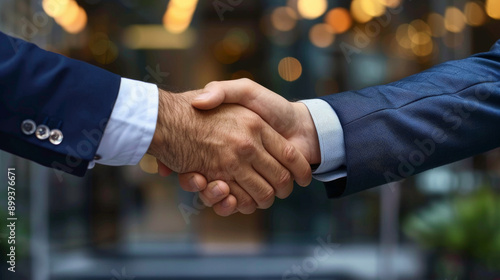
[331,141]
[131,127]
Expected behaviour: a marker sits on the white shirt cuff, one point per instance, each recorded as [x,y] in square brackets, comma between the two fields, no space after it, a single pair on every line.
[331,140]
[132,124]
[331,176]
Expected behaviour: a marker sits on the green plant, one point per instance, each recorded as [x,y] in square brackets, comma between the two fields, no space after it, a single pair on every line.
[468,226]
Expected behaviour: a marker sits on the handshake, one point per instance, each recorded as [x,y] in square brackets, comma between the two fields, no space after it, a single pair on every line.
[237,143]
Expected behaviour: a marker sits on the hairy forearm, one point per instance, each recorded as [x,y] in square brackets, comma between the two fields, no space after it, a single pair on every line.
[174,113]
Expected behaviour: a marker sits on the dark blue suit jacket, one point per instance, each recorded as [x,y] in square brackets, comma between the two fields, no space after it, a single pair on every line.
[447,113]
[57,91]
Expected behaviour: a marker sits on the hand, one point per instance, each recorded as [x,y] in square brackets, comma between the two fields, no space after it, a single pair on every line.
[292,120]
[231,144]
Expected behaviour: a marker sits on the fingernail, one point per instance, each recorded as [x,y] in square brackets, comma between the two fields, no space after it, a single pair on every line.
[225,203]
[216,191]
[194,184]
[203,96]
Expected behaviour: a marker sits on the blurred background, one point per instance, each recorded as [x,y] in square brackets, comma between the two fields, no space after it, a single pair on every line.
[128,223]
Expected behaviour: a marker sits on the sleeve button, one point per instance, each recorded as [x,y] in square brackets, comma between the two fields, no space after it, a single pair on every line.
[28,127]
[56,136]
[42,132]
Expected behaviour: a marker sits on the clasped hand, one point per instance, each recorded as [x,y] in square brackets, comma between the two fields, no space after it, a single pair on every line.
[238,155]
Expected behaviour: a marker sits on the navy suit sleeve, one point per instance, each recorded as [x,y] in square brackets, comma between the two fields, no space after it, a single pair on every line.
[447,113]
[62,93]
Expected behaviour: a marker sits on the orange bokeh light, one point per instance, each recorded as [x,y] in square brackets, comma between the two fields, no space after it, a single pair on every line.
[339,20]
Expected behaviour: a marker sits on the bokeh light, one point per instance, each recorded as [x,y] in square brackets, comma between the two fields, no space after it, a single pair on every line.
[179,15]
[231,48]
[390,3]
[358,13]
[55,8]
[78,24]
[71,17]
[493,8]
[155,36]
[284,18]
[102,48]
[373,8]
[312,9]
[474,14]
[339,20]
[148,164]
[402,35]
[321,35]
[421,26]
[436,23]
[454,20]
[424,49]
[290,69]
[419,32]
[236,41]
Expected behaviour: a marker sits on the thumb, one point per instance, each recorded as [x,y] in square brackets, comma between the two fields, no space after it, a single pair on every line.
[209,98]
[235,91]
[271,107]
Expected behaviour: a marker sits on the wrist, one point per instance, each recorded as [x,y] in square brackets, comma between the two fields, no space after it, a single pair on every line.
[308,133]
[158,136]
[175,131]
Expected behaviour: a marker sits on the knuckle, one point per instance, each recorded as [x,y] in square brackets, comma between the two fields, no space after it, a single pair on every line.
[231,164]
[251,119]
[290,153]
[246,81]
[267,198]
[246,146]
[305,173]
[284,179]
[246,203]
[213,84]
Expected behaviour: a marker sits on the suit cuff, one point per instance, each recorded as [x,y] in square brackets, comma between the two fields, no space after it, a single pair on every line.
[132,124]
[331,140]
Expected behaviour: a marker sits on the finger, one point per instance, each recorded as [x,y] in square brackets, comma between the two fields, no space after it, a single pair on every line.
[261,192]
[163,170]
[246,204]
[288,155]
[215,192]
[275,174]
[192,182]
[226,207]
